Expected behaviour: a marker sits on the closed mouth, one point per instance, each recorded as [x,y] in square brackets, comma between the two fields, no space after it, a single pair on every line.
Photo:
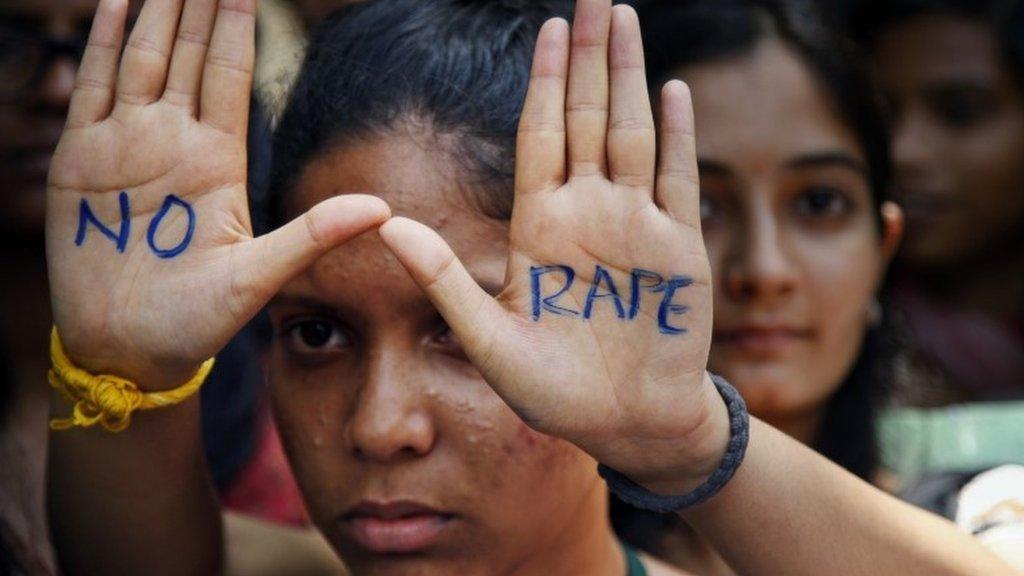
[762,340]
[395,527]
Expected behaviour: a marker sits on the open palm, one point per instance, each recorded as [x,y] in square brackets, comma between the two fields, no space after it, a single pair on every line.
[615,360]
[153,265]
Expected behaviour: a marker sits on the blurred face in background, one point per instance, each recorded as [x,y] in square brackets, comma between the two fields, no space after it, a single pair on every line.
[790,227]
[958,138]
[40,46]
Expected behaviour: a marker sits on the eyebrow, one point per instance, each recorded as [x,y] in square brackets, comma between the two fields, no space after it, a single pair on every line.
[709,167]
[962,82]
[825,159]
[304,302]
[829,159]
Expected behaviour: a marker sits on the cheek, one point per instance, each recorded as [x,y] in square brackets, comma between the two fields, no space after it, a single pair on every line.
[991,175]
[308,410]
[840,287]
[518,474]
[506,453]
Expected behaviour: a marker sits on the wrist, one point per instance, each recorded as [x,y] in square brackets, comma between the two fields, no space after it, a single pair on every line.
[100,355]
[107,399]
[669,490]
[685,463]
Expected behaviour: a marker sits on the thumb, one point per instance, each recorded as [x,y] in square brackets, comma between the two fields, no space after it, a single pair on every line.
[470,312]
[262,265]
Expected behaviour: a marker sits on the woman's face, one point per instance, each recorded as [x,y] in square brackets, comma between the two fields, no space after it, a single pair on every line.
[32,117]
[409,462]
[959,138]
[790,228]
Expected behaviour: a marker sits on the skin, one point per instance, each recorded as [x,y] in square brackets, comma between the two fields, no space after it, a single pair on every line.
[794,244]
[31,125]
[400,412]
[587,189]
[791,231]
[959,138]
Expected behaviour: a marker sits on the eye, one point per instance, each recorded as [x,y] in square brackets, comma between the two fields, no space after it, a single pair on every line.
[446,340]
[314,336]
[823,203]
[963,108]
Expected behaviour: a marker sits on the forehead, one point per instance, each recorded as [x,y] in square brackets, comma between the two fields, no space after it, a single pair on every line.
[937,46]
[763,107]
[419,180]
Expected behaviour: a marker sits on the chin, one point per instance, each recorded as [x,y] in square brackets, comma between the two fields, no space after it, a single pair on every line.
[408,565]
[766,388]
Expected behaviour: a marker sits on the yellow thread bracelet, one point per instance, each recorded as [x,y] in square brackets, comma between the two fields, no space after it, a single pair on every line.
[108,400]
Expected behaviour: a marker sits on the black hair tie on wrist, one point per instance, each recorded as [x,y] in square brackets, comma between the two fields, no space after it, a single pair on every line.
[739,433]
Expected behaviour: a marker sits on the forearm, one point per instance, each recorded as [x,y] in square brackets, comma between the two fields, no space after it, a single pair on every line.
[790,511]
[136,502]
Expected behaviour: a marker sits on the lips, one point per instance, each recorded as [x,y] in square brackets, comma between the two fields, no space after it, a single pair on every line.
[763,341]
[395,527]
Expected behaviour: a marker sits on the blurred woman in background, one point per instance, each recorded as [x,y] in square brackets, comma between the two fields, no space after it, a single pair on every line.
[798,228]
[954,74]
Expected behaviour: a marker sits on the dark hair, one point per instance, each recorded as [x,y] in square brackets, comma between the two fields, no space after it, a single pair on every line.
[1004,17]
[458,67]
[678,33]
[683,32]
[7,384]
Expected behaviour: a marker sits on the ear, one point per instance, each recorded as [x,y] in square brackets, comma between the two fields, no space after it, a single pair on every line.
[892,232]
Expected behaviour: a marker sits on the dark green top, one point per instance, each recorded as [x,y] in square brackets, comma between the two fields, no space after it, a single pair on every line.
[633,565]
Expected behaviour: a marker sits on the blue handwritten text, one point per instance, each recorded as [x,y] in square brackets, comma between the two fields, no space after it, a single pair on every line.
[603,287]
[87,217]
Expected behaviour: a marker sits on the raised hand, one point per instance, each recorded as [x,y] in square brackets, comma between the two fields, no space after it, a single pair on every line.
[602,331]
[153,266]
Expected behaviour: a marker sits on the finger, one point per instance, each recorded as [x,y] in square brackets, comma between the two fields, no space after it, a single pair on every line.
[472,314]
[587,99]
[148,53]
[227,75]
[264,264]
[186,73]
[631,140]
[93,97]
[678,186]
[540,140]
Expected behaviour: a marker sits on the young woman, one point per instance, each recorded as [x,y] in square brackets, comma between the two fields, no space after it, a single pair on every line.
[954,72]
[797,232]
[422,449]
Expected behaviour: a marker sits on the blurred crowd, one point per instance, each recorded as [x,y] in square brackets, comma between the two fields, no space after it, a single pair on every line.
[878,183]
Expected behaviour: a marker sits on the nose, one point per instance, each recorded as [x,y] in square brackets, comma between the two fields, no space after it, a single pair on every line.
[910,143]
[392,420]
[758,269]
[58,82]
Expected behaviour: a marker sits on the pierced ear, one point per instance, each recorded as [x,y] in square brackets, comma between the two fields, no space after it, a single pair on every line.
[892,231]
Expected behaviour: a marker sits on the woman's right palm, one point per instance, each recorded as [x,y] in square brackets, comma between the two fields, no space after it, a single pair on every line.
[160,133]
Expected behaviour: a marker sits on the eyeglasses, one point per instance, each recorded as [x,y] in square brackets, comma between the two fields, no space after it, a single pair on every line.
[25,57]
